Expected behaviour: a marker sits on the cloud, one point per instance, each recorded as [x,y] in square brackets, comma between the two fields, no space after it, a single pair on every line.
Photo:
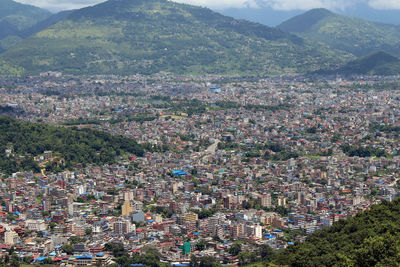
[385,4]
[221,3]
[57,5]
[307,4]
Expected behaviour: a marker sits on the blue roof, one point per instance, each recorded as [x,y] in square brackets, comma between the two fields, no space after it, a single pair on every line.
[100,254]
[179,173]
[137,265]
[40,259]
[85,257]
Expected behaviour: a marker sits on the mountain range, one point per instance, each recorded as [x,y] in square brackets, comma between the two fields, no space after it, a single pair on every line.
[15,18]
[356,36]
[376,63]
[138,36]
[267,15]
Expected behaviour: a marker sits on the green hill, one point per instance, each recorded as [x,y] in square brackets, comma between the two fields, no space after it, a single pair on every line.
[354,35]
[71,146]
[138,36]
[16,17]
[370,238]
[377,63]
[41,25]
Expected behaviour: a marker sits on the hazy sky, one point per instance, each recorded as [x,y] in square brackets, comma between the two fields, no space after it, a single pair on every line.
[57,5]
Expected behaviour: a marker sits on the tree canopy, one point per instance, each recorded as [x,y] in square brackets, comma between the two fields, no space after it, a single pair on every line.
[70,146]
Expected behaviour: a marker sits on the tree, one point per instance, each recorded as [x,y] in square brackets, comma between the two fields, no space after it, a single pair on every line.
[266,252]
[201,245]
[14,262]
[69,249]
[206,261]
[88,231]
[235,249]
[52,225]
[117,249]
[246,257]
[150,250]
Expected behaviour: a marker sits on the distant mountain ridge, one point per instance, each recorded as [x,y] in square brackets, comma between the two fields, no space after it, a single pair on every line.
[305,22]
[353,35]
[137,36]
[377,63]
[272,16]
[16,17]
[41,25]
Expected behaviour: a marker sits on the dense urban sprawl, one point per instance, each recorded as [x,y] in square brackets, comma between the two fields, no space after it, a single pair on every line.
[232,166]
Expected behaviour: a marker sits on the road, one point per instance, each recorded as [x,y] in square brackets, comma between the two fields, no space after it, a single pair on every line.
[213,148]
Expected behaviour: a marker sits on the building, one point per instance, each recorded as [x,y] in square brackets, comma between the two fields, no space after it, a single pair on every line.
[123,227]
[10,237]
[127,209]
[191,217]
[266,200]
[36,225]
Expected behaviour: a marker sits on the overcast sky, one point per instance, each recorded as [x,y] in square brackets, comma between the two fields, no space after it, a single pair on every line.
[57,5]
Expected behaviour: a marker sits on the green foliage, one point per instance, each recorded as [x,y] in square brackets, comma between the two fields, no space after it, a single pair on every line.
[165,212]
[117,249]
[280,156]
[377,63]
[7,70]
[266,252]
[201,245]
[16,17]
[370,238]
[206,261]
[149,257]
[353,35]
[70,145]
[356,151]
[69,249]
[123,37]
[205,213]
[235,249]
[247,257]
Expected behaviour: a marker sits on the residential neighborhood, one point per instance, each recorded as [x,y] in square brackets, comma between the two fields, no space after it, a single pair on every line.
[231,164]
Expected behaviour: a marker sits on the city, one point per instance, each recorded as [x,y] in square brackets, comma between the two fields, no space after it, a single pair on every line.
[232,165]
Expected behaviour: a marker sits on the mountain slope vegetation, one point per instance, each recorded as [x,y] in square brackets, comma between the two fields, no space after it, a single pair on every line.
[137,36]
[71,146]
[371,238]
[377,63]
[16,17]
[357,36]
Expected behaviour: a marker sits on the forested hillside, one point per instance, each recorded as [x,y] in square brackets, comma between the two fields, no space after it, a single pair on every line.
[70,146]
[137,36]
[357,36]
[369,239]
